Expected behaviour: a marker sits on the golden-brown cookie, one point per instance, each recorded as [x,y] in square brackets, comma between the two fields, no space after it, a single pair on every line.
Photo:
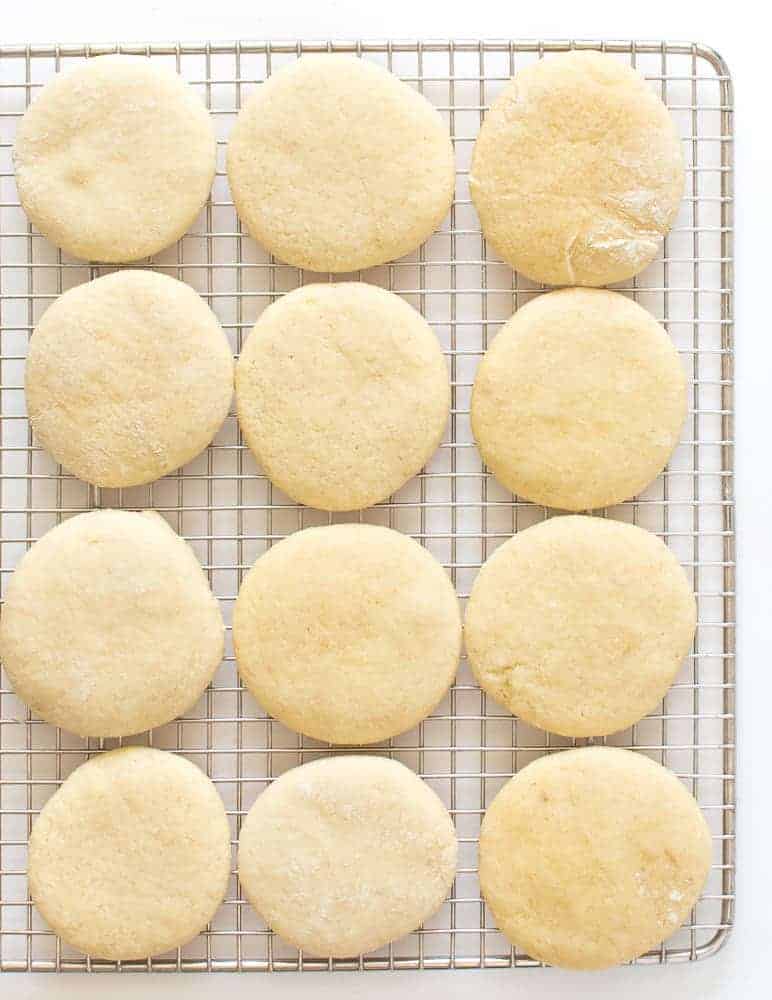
[591,857]
[577,172]
[342,393]
[349,633]
[579,624]
[580,400]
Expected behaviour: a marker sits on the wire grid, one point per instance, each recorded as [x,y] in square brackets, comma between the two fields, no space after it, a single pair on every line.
[230,513]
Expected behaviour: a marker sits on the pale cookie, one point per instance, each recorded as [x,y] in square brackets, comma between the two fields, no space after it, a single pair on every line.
[131,856]
[128,378]
[342,394]
[343,855]
[109,626]
[349,633]
[579,624]
[115,159]
[577,172]
[591,857]
[335,164]
[580,400]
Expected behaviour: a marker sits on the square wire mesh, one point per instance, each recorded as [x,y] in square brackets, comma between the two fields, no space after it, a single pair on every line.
[230,513]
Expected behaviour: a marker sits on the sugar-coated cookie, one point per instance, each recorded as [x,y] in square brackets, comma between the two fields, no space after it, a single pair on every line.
[109,626]
[115,159]
[342,855]
[128,378]
[131,856]
[335,164]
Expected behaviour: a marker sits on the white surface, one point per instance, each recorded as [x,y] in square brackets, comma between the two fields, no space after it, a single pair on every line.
[744,967]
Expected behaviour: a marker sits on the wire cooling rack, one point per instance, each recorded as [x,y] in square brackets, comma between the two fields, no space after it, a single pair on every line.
[230,513]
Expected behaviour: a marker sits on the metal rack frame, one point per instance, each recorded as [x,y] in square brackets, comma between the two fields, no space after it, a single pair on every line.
[230,513]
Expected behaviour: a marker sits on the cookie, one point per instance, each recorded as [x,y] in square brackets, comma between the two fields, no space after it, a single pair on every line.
[591,857]
[131,856]
[128,377]
[577,172]
[115,159]
[336,165]
[109,627]
[580,400]
[579,624]
[342,855]
[349,633]
[342,393]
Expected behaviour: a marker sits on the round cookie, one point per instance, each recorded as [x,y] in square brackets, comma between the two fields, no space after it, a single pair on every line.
[577,172]
[342,855]
[579,624]
[591,857]
[342,393]
[580,400]
[335,164]
[128,378]
[131,856]
[348,633]
[109,627]
[115,159]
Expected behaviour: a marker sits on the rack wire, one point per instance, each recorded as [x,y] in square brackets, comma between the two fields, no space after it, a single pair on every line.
[230,513]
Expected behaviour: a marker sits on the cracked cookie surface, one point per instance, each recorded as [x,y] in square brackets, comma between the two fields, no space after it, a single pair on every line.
[577,172]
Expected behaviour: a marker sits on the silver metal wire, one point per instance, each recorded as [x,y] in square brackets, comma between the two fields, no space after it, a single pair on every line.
[230,513]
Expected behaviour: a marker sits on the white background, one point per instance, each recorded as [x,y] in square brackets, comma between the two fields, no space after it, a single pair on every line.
[743,969]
